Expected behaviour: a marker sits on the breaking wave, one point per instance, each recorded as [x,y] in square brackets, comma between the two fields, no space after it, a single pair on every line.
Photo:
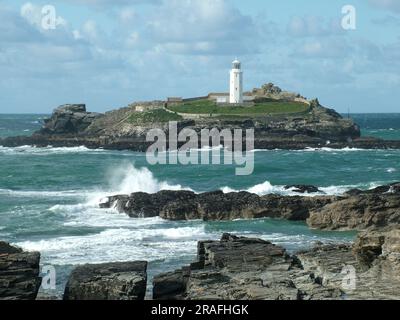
[32,150]
[267,188]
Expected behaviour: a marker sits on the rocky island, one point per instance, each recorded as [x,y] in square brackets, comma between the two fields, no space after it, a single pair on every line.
[233,267]
[281,120]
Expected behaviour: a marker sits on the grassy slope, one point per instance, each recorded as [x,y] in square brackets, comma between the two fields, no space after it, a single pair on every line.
[209,107]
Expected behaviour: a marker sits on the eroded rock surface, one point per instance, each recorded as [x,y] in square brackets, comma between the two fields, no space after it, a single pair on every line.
[19,273]
[360,210]
[108,281]
[186,205]
[247,269]
[241,268]
[69,119]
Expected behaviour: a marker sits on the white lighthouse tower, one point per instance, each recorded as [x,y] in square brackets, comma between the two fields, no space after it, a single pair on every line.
[236,83]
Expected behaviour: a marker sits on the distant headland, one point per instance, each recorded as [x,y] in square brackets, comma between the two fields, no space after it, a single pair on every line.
[280,119]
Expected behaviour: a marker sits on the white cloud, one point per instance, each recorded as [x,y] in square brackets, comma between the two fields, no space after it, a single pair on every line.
[202,26]
[180,47]
[89,30]
[110,2]
[127,15]
[313,26]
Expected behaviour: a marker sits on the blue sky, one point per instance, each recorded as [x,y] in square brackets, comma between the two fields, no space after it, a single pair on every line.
[108,54]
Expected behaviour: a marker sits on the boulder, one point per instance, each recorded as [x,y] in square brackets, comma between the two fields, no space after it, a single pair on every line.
[19,273]
[69,119]
[108,281]
[303,188]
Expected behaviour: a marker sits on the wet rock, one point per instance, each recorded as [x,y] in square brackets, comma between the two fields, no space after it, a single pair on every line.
[108,281]
[215,206]
[303,188]
[295,208]
[19,273]
[393,188]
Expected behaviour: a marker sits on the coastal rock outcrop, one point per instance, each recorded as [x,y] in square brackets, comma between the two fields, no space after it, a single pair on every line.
[359,210]
[381,247]
[249,269]
[19,273]
[108,281]
[354,210]
[233,268]
[245,269]
[126,128]
[186,205]
[69,119]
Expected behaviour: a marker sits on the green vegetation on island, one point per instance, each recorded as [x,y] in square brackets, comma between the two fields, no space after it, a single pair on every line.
[210,107]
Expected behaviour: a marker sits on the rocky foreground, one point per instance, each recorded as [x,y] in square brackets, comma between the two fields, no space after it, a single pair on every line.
[126,128]
[19,273]
[354,210]
[233,268]
[243,268]
[237,268]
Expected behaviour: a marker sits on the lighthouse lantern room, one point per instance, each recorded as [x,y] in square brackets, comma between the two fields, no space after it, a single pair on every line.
[236,83]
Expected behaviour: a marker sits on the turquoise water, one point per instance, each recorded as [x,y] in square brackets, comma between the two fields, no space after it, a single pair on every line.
[49,198]
[384,126]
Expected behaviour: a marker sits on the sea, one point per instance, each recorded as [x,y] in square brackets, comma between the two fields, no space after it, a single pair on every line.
[49,197]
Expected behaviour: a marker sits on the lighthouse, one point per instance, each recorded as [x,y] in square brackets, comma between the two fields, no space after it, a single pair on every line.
[236,83]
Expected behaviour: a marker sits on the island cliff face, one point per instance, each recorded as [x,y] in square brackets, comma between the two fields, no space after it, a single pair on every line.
[126,128]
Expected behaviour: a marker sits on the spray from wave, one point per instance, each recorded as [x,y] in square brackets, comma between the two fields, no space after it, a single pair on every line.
[127,179]
[44,151]
[124,179]
[267,188]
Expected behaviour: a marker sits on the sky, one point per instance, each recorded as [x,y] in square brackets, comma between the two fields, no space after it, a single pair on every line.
[109,54]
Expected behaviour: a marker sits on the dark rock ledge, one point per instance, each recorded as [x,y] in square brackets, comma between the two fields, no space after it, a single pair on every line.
[232,268]
[354,210]
[19,273]
[187,205]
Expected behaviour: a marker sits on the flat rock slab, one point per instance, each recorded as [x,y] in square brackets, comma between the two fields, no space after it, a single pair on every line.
[108,281]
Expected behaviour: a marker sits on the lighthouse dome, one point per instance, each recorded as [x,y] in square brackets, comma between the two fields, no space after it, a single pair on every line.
[236,64]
